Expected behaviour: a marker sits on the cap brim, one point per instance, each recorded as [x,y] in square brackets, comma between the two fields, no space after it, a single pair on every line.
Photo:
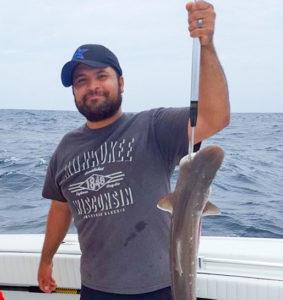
[67,70]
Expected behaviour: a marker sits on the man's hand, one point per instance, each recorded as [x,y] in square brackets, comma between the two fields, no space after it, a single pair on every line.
[204,11]
[46,283]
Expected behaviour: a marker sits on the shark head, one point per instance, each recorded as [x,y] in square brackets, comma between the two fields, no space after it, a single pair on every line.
[167,203]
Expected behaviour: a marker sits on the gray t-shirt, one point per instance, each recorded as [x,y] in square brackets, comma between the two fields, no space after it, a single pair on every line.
[112,179]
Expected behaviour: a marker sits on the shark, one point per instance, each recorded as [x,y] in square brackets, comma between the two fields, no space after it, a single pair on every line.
[187,204]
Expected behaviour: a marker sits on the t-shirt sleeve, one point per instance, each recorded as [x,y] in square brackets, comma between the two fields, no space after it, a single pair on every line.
[171,131]
[51,188]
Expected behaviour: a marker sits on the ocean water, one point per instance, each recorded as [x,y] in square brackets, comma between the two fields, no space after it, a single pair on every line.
[248,187]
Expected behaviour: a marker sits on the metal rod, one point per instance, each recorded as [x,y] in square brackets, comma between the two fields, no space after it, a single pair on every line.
[195,69]
[191,147]
[196,55]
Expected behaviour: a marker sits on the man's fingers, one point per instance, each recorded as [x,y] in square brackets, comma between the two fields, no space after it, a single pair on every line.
[199,5]
[53,285]
[204,11]
[207,24]
[205,14]
[189,6]
[47,286]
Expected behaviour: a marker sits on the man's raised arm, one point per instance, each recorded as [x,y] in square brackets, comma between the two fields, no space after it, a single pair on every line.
[213,105]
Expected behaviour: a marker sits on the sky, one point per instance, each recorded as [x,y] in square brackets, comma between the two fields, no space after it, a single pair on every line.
[151,40]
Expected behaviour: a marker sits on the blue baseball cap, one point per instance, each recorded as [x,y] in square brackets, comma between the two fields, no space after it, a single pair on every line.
[96,56]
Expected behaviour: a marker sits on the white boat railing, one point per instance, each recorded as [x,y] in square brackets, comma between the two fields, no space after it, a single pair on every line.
[241,268]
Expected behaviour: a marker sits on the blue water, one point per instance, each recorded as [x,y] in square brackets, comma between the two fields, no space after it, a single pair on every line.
[248,188]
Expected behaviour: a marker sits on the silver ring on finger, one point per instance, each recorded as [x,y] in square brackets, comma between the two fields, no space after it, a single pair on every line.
[199,23]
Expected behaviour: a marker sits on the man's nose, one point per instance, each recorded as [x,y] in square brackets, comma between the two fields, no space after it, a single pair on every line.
[93,84]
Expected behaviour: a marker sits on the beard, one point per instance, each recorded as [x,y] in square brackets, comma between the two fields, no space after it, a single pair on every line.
[99,110]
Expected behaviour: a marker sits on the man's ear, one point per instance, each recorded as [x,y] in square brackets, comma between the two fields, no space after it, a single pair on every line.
[121,81]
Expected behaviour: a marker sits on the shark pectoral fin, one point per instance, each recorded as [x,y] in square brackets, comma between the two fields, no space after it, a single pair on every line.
[166,203]
[210,209]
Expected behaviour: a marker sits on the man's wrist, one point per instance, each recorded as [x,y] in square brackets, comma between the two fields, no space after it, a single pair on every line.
[209,47]
[46,261]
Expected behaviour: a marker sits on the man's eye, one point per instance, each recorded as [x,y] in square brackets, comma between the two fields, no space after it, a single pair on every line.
[101,76]
[80,81]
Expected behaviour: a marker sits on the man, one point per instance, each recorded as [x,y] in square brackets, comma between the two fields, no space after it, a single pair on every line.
[110,173]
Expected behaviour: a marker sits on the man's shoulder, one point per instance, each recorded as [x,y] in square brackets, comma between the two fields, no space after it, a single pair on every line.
[159,114]
[75,132]
[143,113]
[71,135]
[156,112]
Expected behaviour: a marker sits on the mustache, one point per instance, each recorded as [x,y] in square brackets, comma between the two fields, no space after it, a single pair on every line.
[94,93]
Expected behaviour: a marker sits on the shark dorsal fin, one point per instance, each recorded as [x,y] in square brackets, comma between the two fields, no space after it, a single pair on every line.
[166,203]
[210,209]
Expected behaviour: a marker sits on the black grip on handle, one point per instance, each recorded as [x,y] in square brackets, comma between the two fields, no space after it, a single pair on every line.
[193,113]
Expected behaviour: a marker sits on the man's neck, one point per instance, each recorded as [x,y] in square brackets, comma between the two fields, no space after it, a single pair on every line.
[104,123]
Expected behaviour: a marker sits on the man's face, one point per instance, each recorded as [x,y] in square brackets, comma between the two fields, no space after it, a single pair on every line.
[97,91]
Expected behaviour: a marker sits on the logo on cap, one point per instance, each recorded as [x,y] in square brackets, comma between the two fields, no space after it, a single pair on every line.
[79,53]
